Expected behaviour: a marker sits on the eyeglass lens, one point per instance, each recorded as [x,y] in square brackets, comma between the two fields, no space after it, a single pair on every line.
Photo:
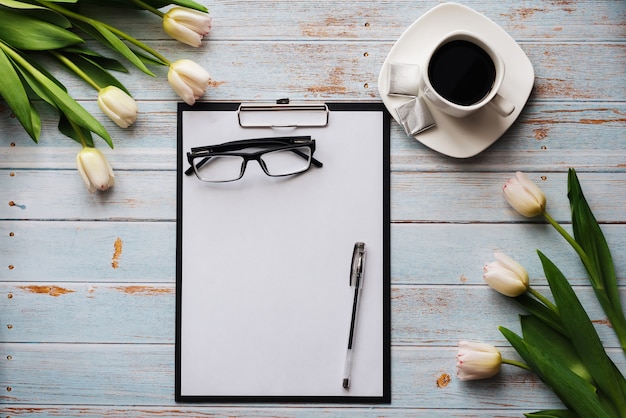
[224,167]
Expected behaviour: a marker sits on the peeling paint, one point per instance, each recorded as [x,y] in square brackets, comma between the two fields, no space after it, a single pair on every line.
[443,380]
[554,87]
[541,133]
[117,253]
[49,290]
[145,290]
[215,84]
[346,27]
[335,84]
[601,121]
[602,322]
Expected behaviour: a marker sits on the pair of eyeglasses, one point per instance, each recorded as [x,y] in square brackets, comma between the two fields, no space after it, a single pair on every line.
[277,156]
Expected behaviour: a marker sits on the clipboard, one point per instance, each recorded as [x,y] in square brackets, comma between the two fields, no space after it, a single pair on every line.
[263,299]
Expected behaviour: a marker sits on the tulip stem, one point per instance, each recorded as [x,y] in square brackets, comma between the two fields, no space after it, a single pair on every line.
[597,284]
[543,299]
[565,235]
[68,63]
[149,8]
[79,132]
[516,364]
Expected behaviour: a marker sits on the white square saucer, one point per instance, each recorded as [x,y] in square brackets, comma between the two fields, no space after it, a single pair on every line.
[460,137]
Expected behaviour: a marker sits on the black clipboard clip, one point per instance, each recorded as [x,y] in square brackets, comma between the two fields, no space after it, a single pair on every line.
[282,114]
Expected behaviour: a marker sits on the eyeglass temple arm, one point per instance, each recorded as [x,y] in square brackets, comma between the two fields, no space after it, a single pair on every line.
[245,143]
[316,163]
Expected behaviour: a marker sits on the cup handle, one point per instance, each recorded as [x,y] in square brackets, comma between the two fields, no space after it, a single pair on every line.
[501,105]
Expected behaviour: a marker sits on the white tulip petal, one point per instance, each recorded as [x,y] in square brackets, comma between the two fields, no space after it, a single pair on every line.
[182,33]
[118,106]
[180,87]
[95,170]
[188,79]
[477,361]
[187,25]
[83,174]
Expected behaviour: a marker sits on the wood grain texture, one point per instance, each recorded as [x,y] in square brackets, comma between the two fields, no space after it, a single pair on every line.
[422,315]
[87,282]
[137,374]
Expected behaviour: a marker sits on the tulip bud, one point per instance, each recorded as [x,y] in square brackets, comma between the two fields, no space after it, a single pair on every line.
[477,361]
[95,169]
[186,25]
[188,80]
[524,195]
[506,276]
[118,106]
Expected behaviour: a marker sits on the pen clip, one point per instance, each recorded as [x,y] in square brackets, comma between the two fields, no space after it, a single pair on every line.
[357,266]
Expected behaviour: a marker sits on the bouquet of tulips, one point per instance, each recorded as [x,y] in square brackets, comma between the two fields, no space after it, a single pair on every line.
[559,342]
[33,31]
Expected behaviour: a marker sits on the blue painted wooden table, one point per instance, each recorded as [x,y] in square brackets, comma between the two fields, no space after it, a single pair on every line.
[87,281]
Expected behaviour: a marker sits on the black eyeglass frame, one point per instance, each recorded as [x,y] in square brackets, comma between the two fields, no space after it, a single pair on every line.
[286,143]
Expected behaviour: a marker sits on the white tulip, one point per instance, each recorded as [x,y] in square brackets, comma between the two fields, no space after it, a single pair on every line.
[477,361]
[506,276]
[118,106]
[186,25]
[95,169]
[524,195]
[188,79]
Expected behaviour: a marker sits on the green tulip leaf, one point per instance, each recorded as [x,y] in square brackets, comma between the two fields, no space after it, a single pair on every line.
[560,348]
[104,62]
[95,72]
[520,346]
[77,133]
[190,4]
[99,32]
[576,393]
[541,311]
[49,90]
[16,97]
[29,33]
[589,236]
[583,335]
[553,413]
[148,59]
[157,4]
[38,12]
[37,88]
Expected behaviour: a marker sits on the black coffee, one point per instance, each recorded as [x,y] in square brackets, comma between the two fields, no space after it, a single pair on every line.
[461,72]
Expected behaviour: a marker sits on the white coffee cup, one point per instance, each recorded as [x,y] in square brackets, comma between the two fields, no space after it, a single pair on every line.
[444,88]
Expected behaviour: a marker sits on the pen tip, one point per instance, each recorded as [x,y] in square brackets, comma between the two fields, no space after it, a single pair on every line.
[346,383]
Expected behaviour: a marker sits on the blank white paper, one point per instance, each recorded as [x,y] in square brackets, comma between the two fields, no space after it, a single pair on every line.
[266,302]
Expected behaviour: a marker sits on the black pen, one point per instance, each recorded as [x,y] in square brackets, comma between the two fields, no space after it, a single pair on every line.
[356,279]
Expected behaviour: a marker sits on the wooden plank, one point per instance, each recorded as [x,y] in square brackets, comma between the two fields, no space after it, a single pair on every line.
[424,315]
[417,251]
[548,136]
[137,195]
[477,197]
[415,196]
[221,411]
[585,20]
[138,375]
[89,251]
[262,70]
[144,252]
